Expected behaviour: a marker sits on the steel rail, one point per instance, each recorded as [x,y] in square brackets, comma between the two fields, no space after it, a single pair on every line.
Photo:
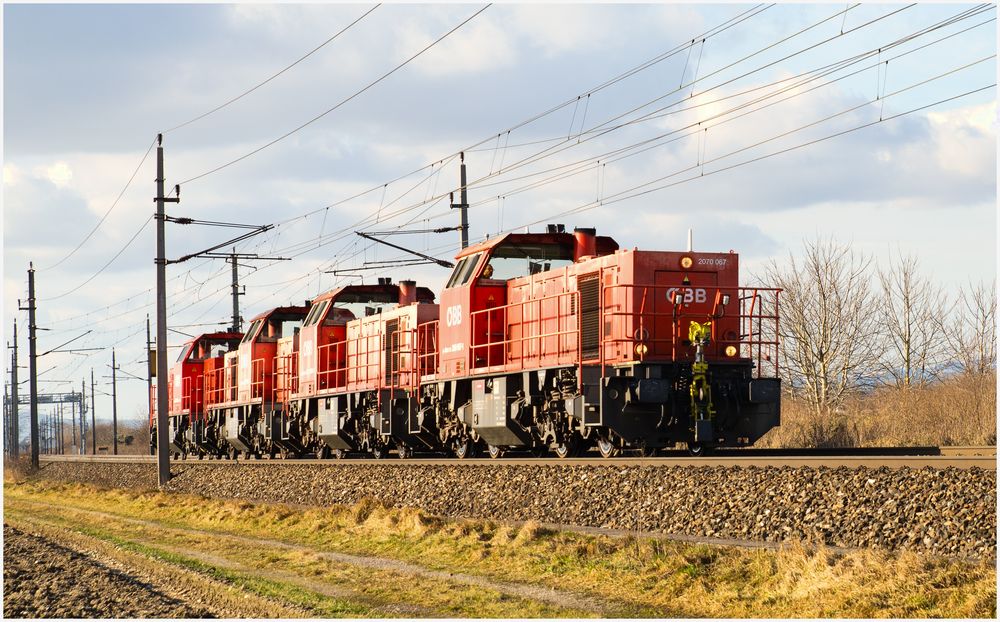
[891,457]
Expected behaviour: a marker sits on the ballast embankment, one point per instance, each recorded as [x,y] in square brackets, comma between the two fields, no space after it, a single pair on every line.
[942,511]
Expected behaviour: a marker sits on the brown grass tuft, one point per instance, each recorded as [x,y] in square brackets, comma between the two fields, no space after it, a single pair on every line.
[960,410]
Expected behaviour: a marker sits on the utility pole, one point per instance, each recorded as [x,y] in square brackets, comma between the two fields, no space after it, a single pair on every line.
[114,403]
[162,437]
[6,422]
[237,323]
[32,366]
[93,417]
[72,414]
[15,418]
[464,205]
[83,417]
[62,430]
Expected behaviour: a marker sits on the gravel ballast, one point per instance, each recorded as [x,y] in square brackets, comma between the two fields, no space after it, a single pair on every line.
[943,511]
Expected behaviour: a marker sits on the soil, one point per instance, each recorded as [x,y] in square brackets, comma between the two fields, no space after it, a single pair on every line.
[43,579]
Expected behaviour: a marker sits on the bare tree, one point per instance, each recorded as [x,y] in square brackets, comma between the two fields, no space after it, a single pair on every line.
[829,323]
[973,335]
[912,316]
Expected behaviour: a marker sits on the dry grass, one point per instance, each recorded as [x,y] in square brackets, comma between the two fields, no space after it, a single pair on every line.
[644,576]
[960,410]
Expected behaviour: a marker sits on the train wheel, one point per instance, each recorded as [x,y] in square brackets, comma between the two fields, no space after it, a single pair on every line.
[323,453]
[566,449]
[697,450]
[378,452]
[606,448]
[495,451]
[339,454]
[233,453]
[463,448]
[405,452]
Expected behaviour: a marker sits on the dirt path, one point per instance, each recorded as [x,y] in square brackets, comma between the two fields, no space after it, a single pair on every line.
[546,595]
[46,579]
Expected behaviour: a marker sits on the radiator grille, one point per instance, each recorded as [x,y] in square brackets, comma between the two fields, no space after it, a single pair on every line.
[590,316]
[391,351]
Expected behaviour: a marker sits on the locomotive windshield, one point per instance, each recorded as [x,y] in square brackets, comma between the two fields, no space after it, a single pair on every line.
[252,331]
[463,271]
[510,261]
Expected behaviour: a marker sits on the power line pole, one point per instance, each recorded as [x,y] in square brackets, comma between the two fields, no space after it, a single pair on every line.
[62,430]
[15,420]
[237,324]
[93,416]
[162,437]
[463,206]
[114,403]
[83,416]
[6,422]
[72,414]
[32,366]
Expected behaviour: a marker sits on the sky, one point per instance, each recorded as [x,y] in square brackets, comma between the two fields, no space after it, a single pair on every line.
[756,126]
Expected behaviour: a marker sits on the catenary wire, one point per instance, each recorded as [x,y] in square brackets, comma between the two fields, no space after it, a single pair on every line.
[339,104]
[272,77]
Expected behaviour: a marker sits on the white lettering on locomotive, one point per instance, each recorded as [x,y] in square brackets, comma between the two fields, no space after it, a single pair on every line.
[453,315]
[696,295]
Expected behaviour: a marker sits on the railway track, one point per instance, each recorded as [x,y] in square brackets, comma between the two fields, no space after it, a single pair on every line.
[870,457]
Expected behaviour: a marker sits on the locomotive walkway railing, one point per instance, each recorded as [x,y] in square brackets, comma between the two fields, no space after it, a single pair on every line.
[650,322]
[539,332]
[542,332]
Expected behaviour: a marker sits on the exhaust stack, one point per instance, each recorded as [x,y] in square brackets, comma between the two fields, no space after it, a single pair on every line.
[407,293]
[586,243]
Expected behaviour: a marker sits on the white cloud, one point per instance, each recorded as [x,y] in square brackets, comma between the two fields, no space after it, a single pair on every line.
[555,28]
[11,175]
[59,174]
[478,46]
[965,139]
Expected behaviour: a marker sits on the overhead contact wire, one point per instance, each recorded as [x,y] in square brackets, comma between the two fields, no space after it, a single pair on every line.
[254,88]
[341,103]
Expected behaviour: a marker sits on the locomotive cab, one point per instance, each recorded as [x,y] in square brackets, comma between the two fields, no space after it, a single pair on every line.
[472,336]
[322,360]
[340,364]
[245,389]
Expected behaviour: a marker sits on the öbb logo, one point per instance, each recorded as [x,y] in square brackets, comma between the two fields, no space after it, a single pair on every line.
[453,315]
[687,295]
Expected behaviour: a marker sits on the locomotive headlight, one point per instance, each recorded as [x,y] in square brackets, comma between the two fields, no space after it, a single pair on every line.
[641,349]
[730,350]
[686,262]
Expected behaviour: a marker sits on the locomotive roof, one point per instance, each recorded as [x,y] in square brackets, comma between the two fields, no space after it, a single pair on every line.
[605,244]
[290,310]
[372,293]
[217,336]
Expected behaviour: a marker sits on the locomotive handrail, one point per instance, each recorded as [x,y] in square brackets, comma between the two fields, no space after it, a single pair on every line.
[757,306]
[286,377]
[352,374]
[186,394]
[532,317]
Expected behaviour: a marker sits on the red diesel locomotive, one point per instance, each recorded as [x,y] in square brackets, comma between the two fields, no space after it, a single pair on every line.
[541,342]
